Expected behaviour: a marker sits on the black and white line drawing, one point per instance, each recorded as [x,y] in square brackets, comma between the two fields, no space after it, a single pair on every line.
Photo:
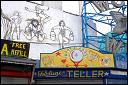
[61,33]
[35,26]
[40,13]
[16,21]
[5,26]
[33,29]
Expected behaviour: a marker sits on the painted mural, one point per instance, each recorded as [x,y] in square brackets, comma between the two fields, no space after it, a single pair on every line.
[5,26]
[76,57]
[16,20]
[120,61]
[11,25]
[31,22]
[35,27]
[61,33]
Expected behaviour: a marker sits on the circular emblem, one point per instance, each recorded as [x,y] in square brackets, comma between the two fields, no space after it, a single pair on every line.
[76,56]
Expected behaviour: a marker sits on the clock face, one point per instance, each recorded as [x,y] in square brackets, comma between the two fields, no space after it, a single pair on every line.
[76,56]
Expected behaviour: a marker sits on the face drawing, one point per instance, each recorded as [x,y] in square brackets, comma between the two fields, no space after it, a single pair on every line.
[35,23]
[62,23]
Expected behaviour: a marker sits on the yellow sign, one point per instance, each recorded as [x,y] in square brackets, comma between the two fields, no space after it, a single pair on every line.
[76,57]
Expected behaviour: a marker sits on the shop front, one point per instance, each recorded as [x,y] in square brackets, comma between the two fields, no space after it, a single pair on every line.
[16,67]
[70,75]
[74,65]
[80,76]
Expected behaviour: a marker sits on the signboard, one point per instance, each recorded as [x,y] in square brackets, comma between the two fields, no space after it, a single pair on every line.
[12,48]
[118,74]
[76,57]
[41,73]
[120,61]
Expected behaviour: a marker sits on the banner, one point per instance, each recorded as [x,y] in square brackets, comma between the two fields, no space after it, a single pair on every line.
[14,49]
[41,73]
[76,57]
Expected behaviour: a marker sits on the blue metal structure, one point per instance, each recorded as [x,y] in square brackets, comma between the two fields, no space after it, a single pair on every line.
[102,18]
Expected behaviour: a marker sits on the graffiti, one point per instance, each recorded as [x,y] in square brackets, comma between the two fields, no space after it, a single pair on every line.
[16,21]
[61,33]
[5,26]
[35,26]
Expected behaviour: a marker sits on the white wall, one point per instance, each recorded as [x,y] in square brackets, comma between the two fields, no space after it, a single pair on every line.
[72,21]
[53,4]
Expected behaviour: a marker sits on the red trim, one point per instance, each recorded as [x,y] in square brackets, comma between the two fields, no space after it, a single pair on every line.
[16,74]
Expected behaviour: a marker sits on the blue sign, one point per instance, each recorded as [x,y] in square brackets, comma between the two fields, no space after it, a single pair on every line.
[42,73]
[120,61]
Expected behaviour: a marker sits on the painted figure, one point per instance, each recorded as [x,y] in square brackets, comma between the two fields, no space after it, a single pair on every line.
[61,33]
[35,26]
[5,26]
[33,29]
[16,21]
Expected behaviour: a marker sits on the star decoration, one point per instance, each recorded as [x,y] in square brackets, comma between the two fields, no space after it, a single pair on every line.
[106,74]
[58,53]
